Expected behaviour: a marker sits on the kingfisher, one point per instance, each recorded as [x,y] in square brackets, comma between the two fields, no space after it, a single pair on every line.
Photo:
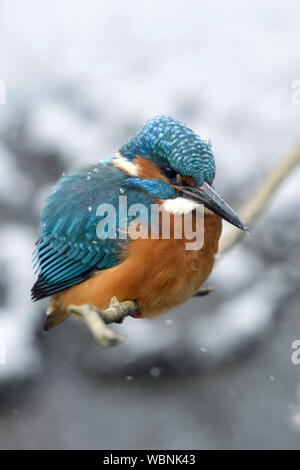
[78,260]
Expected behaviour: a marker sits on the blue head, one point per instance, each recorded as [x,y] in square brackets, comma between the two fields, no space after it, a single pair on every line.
[168,160]
[171,144]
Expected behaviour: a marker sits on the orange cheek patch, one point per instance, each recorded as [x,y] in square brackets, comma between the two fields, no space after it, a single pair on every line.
[148,170]
[188,180]
[185,180]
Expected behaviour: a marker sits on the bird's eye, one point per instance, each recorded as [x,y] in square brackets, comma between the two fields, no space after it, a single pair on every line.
[169,172]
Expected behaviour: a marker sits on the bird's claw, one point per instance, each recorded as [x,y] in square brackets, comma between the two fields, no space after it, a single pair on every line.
[97,320]
[93,318]
[114,302]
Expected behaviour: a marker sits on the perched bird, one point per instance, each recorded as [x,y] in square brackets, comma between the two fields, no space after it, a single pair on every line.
[166,164]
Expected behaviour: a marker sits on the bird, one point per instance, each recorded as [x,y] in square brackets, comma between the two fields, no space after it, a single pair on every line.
[79,259]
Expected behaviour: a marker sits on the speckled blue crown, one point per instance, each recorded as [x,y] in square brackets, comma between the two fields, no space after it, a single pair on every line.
[164,138]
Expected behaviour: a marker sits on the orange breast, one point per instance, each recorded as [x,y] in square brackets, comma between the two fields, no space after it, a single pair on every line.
[157,274]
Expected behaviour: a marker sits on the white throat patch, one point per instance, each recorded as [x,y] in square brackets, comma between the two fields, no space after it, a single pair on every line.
[179,205]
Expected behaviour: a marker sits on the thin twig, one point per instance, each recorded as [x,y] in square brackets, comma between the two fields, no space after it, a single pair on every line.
[259,200]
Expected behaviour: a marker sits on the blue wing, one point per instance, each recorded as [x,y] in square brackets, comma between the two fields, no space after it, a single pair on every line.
[69,250]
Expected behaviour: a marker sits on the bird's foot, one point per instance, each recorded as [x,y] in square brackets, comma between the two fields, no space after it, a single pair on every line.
[205,290]
[118,311]
[97,320]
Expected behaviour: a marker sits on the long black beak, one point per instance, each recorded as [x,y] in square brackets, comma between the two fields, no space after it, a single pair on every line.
[206,195]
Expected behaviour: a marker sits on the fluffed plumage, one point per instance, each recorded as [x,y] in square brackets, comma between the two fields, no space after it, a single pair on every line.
[75,265]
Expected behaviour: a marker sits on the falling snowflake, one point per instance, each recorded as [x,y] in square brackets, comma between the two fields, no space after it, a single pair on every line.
[155,372]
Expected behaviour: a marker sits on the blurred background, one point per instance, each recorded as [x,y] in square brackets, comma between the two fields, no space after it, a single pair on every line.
[80,78]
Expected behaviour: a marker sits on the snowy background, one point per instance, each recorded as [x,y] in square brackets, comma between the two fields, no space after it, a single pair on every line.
[81,77]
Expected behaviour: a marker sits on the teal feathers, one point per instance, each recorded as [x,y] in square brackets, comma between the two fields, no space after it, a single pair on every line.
[69,249]
[164,139]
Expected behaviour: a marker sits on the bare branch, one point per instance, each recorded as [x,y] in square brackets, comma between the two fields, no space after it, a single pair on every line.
[259,200]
